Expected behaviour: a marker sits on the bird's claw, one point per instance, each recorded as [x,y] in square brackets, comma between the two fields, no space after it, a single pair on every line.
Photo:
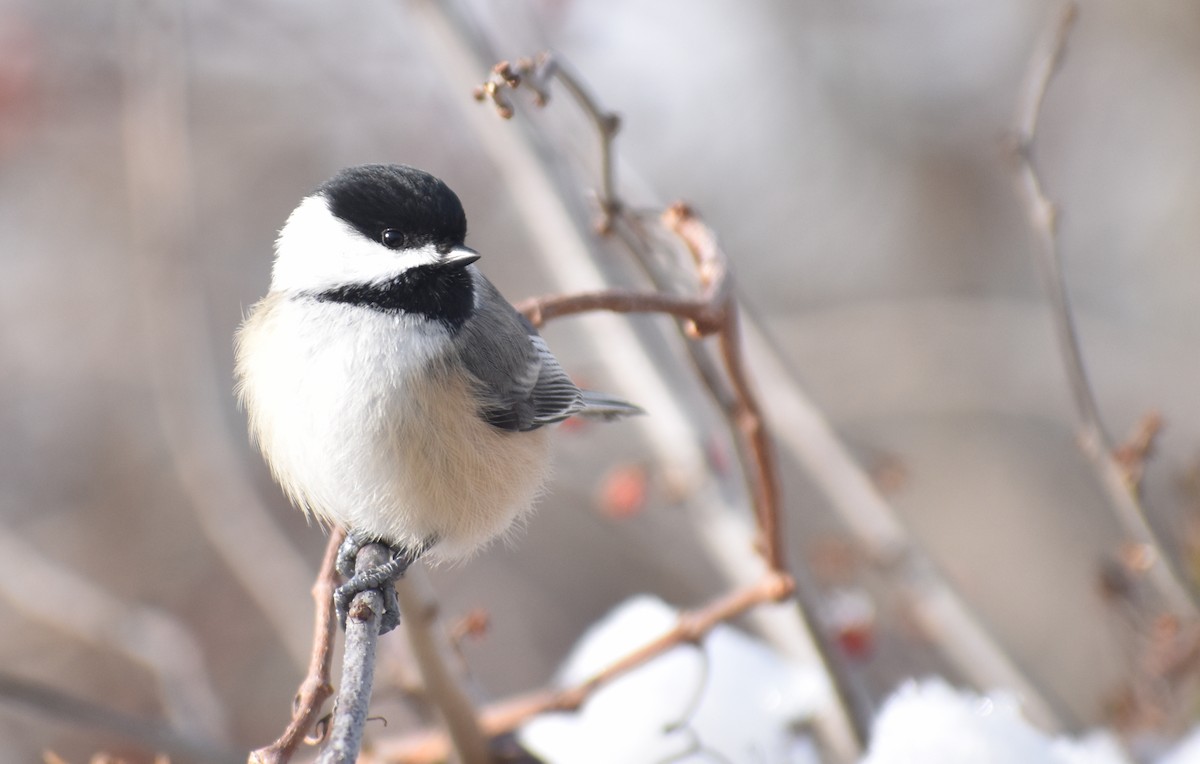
[348,552]
[381,578]
[345,594]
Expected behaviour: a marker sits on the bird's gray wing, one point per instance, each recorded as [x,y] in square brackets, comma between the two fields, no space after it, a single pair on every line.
[520,383]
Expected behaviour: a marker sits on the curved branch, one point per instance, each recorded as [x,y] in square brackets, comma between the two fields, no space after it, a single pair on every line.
[175,325]
[744,413]
[535,74]
[698,313]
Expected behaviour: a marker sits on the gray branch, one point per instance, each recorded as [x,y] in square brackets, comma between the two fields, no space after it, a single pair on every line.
[358,666]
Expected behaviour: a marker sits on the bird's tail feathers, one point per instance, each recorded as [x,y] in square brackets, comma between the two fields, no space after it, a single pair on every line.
[601,406]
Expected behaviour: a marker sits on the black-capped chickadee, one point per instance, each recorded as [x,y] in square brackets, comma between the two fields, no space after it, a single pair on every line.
[391,388]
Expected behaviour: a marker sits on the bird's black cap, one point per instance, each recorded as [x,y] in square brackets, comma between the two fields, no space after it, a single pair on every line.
[417,207]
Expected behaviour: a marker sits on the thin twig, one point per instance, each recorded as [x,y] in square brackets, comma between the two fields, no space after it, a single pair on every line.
[746,414]
[1137,448]
[540,310]
[536,74]
[315,689]
[1097,445]
[1044,216]
[608,124]
[358,665]
[690,628]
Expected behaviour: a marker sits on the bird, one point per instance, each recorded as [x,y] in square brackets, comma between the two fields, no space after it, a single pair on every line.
[392,390]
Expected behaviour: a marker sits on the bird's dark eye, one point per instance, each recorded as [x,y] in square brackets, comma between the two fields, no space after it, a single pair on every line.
[392,238]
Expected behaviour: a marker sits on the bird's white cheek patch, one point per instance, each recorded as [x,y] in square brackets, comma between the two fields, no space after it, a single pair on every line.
[317,251]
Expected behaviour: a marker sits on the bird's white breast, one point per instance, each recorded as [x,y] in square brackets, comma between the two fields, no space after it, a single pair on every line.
[368,424]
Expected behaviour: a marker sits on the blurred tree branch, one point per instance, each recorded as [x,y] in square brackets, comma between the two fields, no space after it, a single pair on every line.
[1114,475]
[442,688]
[189,404]
[49,592]
[151,734]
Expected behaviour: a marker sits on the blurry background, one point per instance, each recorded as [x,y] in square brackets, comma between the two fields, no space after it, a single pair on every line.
[851,154]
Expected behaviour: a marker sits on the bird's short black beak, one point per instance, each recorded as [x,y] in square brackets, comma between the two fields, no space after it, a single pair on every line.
[460,257]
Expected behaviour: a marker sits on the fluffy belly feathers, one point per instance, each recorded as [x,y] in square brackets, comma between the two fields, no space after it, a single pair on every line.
[380,437]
